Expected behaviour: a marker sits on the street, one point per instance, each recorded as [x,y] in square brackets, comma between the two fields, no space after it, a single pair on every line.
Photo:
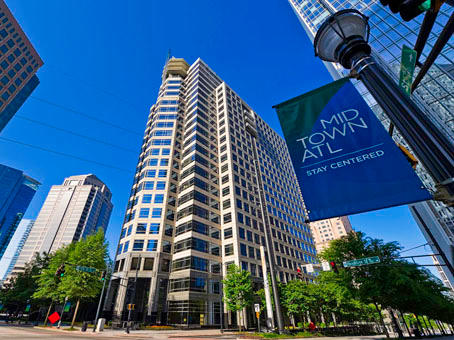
[31,333]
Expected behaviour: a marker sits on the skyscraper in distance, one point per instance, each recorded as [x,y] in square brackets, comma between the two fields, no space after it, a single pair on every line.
[71,211]
[19,63]
[434,95]
[213,181]
[16,192]
[324,231]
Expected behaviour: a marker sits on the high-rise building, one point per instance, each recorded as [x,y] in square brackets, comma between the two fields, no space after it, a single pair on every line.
[324,231]
[71,211]
[19,63]
[16,193]
[14,248]
[213,181]
[434,95]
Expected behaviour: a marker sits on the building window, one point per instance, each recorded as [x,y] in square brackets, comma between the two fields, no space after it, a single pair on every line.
[152,245]
[138,245]
[147,198]
[241,233]
[154,228]
[156,213]
[148,263]
[243,249]
[160,185]
[159,198]
[144,213]
[141,228]
[125,248]
[162,173]
[228,249]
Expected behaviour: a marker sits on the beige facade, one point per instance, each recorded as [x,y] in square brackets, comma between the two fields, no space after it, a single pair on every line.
[73,210]
[325,231]
[213,182]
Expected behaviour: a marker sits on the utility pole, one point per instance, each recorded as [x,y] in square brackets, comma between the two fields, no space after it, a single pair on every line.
[133,295]
[268,241]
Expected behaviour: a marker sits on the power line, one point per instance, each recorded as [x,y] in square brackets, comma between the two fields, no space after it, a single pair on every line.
[422,245]
[65,154]
[74,133]
[85,115]
[112,94]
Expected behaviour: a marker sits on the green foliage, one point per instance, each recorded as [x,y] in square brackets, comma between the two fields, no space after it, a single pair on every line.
[76,285]
[394,283]
[15,293]
[91,252]
[238,292]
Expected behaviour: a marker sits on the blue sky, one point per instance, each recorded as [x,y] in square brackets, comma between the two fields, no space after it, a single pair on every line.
[105,58]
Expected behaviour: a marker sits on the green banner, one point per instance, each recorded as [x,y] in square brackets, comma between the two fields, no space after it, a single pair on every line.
[407,69]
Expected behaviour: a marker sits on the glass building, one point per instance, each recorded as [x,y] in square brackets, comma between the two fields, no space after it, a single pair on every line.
[434,95]
[16,193]
[212,181]
[14,248]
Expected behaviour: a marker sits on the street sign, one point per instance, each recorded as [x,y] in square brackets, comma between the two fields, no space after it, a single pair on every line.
[407,68]
[67,307]
[27,308]
[54,317]
[257,308]
[86,269]
[325,266]
[362,262]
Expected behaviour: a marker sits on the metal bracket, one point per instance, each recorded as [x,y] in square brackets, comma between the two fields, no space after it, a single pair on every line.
[444,191]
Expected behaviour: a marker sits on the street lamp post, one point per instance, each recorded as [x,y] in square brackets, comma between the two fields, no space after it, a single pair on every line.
[343,38]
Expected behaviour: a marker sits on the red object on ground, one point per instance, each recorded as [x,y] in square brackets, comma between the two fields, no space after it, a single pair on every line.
[312,326]
[54,317]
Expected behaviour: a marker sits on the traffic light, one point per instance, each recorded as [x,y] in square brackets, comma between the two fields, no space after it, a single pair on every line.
[103,276]
[334,267]
[408,9]
[299,273]
[60,271]
[131,306]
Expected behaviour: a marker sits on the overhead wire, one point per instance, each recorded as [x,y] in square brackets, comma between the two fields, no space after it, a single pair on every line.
[83,114]
[422,245]
[74,133]
[65,154]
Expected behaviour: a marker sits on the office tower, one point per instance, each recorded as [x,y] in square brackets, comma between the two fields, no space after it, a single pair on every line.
[16,193]
[19,63]
[71,211]
[213,179]
[14,248]
[325,231]
[434,95]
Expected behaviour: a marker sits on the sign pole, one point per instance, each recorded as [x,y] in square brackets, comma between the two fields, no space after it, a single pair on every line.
[266,288]
[99,305]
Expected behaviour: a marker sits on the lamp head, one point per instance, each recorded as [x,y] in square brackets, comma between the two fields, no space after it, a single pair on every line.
[341,36]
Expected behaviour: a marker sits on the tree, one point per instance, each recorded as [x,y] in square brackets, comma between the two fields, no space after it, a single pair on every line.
[74,285]
[238,292]
[296,298]
[47,283]
[394,283]
[77,285]
[16,293]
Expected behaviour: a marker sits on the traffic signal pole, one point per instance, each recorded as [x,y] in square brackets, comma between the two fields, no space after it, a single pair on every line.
[432,148]
[99,305]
